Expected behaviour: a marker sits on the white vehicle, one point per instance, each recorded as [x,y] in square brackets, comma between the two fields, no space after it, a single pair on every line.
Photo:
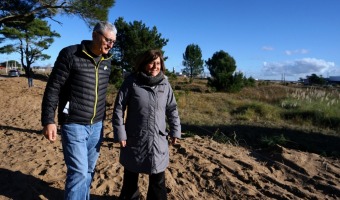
[13,73]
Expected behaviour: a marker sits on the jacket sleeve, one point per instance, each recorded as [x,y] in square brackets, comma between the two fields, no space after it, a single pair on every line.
[57,79]
[172,115]
[118,115]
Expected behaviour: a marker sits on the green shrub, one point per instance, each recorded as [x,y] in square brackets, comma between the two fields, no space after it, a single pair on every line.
[271,141]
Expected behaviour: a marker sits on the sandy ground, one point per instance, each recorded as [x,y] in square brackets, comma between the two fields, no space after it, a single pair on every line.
[33,168]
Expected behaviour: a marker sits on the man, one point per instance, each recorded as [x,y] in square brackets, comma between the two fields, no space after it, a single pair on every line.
[77,85]
[30,77]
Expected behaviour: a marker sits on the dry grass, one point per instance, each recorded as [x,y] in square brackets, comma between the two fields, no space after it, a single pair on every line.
[200,108]
[262,116]
[276,104]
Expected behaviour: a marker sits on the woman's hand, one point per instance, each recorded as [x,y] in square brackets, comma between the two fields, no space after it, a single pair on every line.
[122,143]
[173,140]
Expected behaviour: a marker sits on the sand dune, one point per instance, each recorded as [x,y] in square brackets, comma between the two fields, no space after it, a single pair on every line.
[33,168]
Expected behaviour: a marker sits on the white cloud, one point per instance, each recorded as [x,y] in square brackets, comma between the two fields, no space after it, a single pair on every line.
[267,48]
[300,68]
[297,51]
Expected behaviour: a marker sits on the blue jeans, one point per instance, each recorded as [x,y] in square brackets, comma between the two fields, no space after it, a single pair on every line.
[81,145]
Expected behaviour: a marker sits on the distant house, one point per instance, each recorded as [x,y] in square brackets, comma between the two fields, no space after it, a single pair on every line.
[305,81]
[3,66]
[334,80]
[180,74]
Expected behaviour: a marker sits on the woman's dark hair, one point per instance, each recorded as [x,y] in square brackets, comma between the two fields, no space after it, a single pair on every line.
[147,57]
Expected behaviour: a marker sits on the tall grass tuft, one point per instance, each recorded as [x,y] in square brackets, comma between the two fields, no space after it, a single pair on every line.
[314,106]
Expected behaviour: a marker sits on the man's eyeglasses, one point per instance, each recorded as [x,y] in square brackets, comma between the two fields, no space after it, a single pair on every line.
[107,40]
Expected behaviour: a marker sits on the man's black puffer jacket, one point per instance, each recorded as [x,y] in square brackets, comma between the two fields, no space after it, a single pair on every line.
[76,78]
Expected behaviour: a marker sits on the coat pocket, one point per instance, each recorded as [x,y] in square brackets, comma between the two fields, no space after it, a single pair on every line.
[163,133]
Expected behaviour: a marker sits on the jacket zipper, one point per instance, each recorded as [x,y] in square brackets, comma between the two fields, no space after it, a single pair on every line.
[96,88]
[96,92]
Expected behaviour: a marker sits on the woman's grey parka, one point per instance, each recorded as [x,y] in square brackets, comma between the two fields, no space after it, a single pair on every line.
[144,129]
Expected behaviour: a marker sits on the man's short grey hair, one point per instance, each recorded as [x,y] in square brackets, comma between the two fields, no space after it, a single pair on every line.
[103,26]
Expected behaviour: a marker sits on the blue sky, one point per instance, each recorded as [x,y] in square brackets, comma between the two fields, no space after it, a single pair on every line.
[267,38]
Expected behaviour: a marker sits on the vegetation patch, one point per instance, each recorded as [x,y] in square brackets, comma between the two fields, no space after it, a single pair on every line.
[303,118]
[313,106]
[255,111]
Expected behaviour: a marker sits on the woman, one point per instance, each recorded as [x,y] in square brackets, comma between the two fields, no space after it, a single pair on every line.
[147,99]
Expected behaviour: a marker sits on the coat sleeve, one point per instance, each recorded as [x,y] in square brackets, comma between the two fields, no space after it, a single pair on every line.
[118,115]
[57,79]
[172,115]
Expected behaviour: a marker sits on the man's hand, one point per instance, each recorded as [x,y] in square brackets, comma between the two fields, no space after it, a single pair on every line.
[50,132]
